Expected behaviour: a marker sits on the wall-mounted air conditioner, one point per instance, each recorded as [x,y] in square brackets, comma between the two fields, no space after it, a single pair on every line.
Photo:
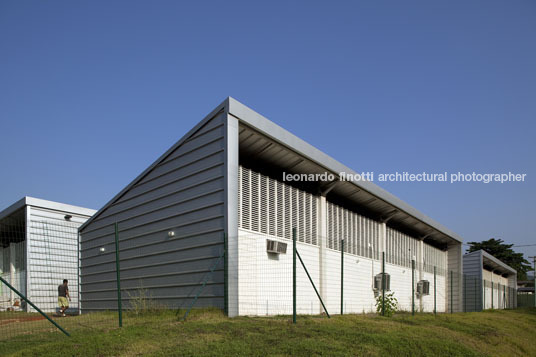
[378,282]
[275,247]
[423,287]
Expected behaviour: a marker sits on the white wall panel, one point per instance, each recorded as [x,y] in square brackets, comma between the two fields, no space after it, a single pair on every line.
[52,257]
[265,281]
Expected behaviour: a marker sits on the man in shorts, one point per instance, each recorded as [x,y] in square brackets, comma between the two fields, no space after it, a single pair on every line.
[63,295]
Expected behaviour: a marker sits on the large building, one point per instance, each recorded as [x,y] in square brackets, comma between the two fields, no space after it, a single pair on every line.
[38,249]
[488,282]
[226,176]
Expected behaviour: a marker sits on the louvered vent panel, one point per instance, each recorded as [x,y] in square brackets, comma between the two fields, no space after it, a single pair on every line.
[255,209]
[307,217]
[288,212]
[314,220]
[281,221]
[240,208]
[246,199]
[264,202]
[272,207]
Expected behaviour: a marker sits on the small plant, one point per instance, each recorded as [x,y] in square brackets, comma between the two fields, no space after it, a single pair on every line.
[142,302]
[391,304]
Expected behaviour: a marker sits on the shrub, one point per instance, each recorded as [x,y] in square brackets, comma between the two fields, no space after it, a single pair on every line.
[391,304]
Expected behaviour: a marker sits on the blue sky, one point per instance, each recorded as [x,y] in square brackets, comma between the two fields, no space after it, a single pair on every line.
[91,93]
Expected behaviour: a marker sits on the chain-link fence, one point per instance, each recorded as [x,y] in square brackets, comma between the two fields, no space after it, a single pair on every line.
[37,258]
[124,277]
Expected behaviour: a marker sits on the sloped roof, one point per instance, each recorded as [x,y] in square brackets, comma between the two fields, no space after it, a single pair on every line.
[273,131]
[492,262]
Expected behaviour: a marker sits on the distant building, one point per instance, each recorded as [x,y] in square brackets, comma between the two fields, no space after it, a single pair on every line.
[488,282]
[38,249]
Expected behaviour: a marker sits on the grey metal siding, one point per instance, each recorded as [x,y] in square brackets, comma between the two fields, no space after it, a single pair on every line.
[472,270]
[183,193]
[454,278]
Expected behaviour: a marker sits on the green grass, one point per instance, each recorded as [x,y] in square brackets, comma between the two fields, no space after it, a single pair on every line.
[208,332]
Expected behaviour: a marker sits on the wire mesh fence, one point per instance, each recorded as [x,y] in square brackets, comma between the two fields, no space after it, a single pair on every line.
[35,259]
[122,278]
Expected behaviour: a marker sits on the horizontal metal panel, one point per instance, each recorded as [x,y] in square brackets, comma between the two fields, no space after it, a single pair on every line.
[211,176]
[178,302]
[184,200]
[189,168]
[103,263]
[183,193]
[173,268]
[196,143]
[184,291]
[210,148]
[167,222]
[43,214]
[152,240]
[150,283]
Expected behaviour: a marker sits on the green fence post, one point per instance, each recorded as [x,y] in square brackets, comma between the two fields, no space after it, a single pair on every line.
[534,262]
[413,287]
[293,275]
[383,283]
[342,275]
[435,302]
[35,307]
[117,268]
[226,274]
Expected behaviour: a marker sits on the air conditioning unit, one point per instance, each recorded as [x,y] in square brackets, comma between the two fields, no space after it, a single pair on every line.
[275,247]
[423,287]
[378,282]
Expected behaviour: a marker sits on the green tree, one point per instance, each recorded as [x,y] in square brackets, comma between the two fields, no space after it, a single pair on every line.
[505,254]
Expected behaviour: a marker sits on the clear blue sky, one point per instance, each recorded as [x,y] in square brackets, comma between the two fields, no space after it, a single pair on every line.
[91,93]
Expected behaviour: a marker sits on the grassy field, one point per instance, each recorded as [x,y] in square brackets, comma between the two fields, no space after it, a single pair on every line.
[209,333]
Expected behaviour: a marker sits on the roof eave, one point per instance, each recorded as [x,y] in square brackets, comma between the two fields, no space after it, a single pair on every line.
[281,135]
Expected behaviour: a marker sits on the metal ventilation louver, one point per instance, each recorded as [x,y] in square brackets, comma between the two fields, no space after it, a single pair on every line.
[378,282]
[275,247]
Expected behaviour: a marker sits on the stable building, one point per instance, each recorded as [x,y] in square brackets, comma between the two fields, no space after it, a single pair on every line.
[488,283]
[38,249]
[226,177]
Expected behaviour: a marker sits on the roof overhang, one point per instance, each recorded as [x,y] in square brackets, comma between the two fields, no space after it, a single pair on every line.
[264,144]
[37,202]
[489,262]
[297,156]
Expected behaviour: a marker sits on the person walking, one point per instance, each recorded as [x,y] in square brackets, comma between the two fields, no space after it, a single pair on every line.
[63,297]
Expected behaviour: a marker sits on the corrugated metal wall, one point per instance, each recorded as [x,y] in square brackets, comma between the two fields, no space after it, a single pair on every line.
[52,257]
[472,269]
[184,193]
[454,278]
